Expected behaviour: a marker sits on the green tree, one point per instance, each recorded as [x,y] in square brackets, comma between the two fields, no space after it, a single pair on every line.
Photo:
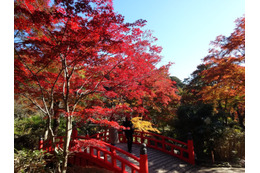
[193,85]
[179,83]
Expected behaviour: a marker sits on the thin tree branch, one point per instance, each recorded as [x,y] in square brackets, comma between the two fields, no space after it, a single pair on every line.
[35,103]
[38,82]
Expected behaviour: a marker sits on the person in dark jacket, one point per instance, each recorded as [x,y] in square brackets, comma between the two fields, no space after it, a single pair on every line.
[129,133]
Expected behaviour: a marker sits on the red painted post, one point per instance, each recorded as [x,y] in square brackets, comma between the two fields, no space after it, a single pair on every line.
[91,151]
[87,134]
[98,154]
[123,167]
[113,153]
[142,137]
[143,159]
[191,149]
[163,143]
[40,143]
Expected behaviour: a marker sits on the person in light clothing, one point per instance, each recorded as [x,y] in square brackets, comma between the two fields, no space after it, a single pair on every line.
[113,135]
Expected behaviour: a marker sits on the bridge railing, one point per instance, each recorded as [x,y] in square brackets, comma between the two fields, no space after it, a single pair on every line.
[47,145]
[110,157]
[182,150]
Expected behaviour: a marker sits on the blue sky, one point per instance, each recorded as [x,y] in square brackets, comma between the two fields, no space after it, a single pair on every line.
[184,28]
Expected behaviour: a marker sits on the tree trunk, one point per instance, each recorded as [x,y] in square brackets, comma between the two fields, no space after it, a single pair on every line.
[66,88]
[50,136]
[66,143]
[47,133]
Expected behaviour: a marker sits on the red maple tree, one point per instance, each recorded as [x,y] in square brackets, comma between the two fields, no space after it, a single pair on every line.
[70,55]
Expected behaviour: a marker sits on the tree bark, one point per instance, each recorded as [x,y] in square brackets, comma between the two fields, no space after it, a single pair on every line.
[66,144]
[46,132]
[66,88]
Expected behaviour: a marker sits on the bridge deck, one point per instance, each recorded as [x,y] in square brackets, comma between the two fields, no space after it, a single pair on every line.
[159,162]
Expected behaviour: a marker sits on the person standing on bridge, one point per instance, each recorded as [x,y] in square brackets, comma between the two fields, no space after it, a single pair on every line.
[113,134]
[128,133]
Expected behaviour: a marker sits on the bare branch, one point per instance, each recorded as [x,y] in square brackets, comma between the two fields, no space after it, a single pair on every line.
[38,82]
[35,103]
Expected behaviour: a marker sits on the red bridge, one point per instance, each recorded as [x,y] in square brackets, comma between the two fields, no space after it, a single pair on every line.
[158,155]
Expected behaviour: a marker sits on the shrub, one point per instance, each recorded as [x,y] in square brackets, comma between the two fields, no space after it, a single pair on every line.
[27,132]
[231,145]
[29,161]
[213,138]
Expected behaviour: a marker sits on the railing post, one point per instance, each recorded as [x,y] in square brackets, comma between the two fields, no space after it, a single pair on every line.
[142,137]
[191,149]
[143,159]
[87,134]
[91,151]
[163,143]
[40,143]
[113,153]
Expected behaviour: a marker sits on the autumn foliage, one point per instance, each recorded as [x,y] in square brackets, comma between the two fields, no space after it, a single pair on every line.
[213,101]
[79,60]
[220,80]
[73,58]
[141,125]
[225,77]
